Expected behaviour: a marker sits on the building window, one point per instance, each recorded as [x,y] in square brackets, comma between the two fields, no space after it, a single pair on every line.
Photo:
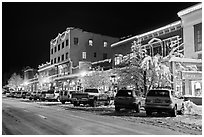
[104,56]
[55,60]
[95,54]
[55,49]
[198,37]
[51,51]
[76,41]
[52,61]
[58,59]
[83,55]
[67,42]
[118,59]
[67,55]
[105,44]
[62,45]
[58,47]
[90,42]
[63,57]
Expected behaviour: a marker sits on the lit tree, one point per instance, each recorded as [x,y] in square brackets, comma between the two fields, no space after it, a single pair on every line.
[96,79]
[15,81]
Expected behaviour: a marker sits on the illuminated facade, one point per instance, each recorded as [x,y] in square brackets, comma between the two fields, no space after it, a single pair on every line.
[72,53]
[155,42]
[192,35]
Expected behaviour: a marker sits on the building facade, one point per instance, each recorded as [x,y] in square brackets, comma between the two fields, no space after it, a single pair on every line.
[155,42]
[192,34]
[72,53]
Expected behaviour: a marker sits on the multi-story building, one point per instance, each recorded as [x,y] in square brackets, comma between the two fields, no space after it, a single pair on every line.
[192,36]
[74,51]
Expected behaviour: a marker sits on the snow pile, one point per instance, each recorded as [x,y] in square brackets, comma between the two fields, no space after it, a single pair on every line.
[192,109]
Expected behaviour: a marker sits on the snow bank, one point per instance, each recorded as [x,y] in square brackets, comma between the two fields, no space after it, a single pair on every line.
[192,109]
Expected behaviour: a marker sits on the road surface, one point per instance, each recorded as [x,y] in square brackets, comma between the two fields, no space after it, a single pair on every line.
[29,118]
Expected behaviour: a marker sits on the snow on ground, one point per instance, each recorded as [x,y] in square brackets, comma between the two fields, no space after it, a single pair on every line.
[192,109]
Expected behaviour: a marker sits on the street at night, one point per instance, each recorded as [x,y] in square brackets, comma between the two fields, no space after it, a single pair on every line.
[24,117]
[101,68]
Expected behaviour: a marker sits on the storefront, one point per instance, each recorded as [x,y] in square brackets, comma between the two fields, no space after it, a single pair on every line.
[193,83]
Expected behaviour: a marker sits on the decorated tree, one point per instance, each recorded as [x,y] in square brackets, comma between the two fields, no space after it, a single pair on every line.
[96,79]
[144,71]
[15,81]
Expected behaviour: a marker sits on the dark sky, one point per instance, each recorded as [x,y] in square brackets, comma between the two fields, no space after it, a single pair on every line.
[29,27]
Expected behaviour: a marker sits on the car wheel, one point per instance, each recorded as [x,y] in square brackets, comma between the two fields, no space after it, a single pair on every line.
[107,102]
[174,112]
[181,111]
[58,100]
[63,102]
[94,103]
[117,109]
[138,108]
[148,113]
[76,103]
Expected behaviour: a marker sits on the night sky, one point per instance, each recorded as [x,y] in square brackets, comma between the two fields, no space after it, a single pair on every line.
[27,28]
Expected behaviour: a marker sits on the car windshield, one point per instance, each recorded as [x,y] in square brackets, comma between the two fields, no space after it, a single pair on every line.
[158,93]
[91,90]
[126,93]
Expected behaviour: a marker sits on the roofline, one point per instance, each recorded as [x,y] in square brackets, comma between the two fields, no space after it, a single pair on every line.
[189,9]
[147,33]
[73,28]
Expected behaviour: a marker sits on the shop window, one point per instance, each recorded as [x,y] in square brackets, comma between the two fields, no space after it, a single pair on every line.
[118,59]
[84,55]
[90,42]
[76,41]
[198,37]
[52,61]
[105,44]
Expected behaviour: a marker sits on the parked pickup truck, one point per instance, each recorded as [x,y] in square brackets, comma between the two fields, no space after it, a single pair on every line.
[93,97]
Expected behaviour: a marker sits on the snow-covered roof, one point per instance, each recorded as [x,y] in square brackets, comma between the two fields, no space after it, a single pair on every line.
[147,33]
[190,9]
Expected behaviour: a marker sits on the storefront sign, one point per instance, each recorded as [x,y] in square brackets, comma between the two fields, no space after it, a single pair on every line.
[191,75]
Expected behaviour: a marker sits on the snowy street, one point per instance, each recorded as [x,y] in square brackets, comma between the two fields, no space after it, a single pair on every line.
[190,123]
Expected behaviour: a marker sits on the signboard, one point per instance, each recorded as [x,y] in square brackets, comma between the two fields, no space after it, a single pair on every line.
[191,75]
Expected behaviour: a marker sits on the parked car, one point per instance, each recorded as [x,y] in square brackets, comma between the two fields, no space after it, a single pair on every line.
[65,96]
[163,100]
[32,95]
[18,94]
[91,96]
[42,95]
[28,96]
[127,99]
[24,94]
[52,95]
